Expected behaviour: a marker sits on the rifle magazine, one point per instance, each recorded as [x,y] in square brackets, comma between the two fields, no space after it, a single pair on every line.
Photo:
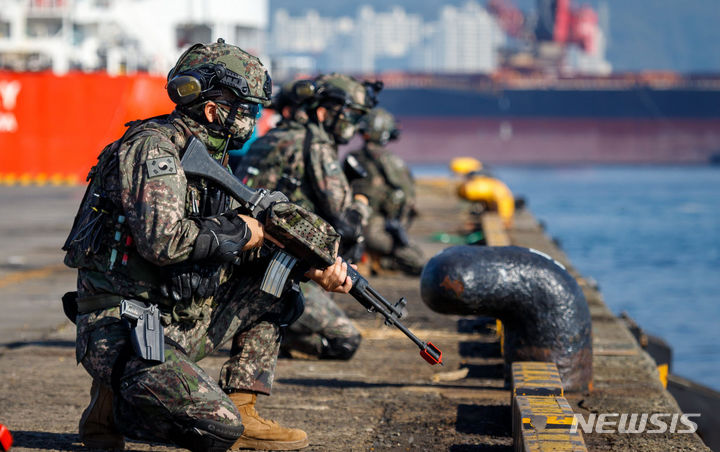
[277,273]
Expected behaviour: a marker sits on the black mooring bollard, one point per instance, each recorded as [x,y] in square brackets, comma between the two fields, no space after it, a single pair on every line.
[544,313]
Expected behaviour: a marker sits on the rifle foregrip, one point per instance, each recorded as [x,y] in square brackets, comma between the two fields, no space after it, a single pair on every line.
[359,287]
[358,281]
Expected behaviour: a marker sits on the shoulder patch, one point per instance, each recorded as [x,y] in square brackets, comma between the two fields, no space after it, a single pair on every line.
[160,166]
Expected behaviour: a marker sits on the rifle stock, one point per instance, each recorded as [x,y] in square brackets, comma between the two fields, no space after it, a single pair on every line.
[196,161]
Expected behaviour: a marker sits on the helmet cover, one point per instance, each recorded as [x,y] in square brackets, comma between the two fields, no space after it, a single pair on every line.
[219,65]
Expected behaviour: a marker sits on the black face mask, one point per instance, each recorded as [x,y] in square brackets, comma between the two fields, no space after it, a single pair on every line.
[237,143]
[242,125]
[342,124]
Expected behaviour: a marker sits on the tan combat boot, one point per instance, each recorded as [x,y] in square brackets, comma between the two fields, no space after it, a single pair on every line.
[97,426]
[261,433]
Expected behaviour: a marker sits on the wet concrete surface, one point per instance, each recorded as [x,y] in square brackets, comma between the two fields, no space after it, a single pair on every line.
[385,398]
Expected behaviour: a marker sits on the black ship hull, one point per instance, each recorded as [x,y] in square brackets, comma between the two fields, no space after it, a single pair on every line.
[557,126]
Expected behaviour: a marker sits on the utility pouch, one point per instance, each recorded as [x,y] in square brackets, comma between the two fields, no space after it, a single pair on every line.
[288,183]
[146,332]
[70,307]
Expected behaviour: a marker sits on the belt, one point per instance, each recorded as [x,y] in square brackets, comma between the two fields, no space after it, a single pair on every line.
[97,302]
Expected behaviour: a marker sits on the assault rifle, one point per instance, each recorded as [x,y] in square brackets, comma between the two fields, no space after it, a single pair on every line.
[196,161]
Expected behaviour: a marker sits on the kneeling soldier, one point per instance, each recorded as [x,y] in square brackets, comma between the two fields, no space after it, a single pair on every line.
[169,270]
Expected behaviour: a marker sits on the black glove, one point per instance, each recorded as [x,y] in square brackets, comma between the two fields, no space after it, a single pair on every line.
[349,225]
[187,281]
[398,233]
[353,251]
[352,243]
[221,238]
[294,306]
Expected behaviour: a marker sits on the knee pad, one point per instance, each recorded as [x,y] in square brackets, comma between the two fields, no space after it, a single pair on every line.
[208,435]
[340,347]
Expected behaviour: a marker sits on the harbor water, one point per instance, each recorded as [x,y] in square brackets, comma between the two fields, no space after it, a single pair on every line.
[649,236]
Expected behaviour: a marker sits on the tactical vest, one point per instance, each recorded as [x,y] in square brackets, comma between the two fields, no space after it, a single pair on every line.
[277,161]
[100,243]
[389,185]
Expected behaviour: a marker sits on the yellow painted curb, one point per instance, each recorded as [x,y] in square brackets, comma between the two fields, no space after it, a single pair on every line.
[39,273]
[542,419]
[40,179]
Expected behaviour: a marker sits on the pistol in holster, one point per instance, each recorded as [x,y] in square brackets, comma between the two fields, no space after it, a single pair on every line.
[146,331]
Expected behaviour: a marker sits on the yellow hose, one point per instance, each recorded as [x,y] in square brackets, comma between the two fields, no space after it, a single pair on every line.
[465,165]
[494,193]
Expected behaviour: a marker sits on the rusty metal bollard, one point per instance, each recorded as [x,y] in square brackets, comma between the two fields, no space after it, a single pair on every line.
[544,313]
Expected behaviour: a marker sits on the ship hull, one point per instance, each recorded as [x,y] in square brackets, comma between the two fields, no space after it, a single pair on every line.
[558,140]
[53,127]
[634,124]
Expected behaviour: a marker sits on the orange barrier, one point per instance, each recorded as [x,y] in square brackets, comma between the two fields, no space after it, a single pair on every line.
[53,127]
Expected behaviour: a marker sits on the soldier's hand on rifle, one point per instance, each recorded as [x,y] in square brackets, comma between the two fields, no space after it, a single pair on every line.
[258,234]
[334,278]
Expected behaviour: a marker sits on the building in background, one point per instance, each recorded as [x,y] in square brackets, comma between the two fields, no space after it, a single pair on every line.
[464,39]
[127,36]
[489,81]
[121,36]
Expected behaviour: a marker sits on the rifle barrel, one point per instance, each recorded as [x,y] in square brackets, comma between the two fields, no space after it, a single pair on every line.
[386,303]
[380,308]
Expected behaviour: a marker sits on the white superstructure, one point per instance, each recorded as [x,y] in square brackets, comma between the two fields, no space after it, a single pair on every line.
[121,36]
[462,39]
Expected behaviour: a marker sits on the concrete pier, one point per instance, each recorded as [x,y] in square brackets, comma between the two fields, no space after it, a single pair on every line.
[386,398]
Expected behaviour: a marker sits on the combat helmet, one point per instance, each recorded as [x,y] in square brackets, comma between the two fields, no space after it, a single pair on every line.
[347,101]
[347,91]
[379,126]
[294,93]
[203,71]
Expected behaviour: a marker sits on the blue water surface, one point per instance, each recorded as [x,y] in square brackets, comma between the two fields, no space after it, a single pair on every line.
[650,237]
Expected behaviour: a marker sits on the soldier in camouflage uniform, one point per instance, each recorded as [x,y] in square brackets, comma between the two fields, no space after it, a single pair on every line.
[299,158]
[390,189]
[148,235]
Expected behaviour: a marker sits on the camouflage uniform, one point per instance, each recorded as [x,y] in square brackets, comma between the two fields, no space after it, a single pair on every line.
[157,215]
[275,161]
[390,189]
[136,229]
[299,158]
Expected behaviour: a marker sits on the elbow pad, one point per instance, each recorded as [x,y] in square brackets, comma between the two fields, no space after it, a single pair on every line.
[221,238]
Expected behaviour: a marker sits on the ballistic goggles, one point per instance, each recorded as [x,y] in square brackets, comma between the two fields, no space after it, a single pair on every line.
[352,114]
[206,81]
[244,108]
